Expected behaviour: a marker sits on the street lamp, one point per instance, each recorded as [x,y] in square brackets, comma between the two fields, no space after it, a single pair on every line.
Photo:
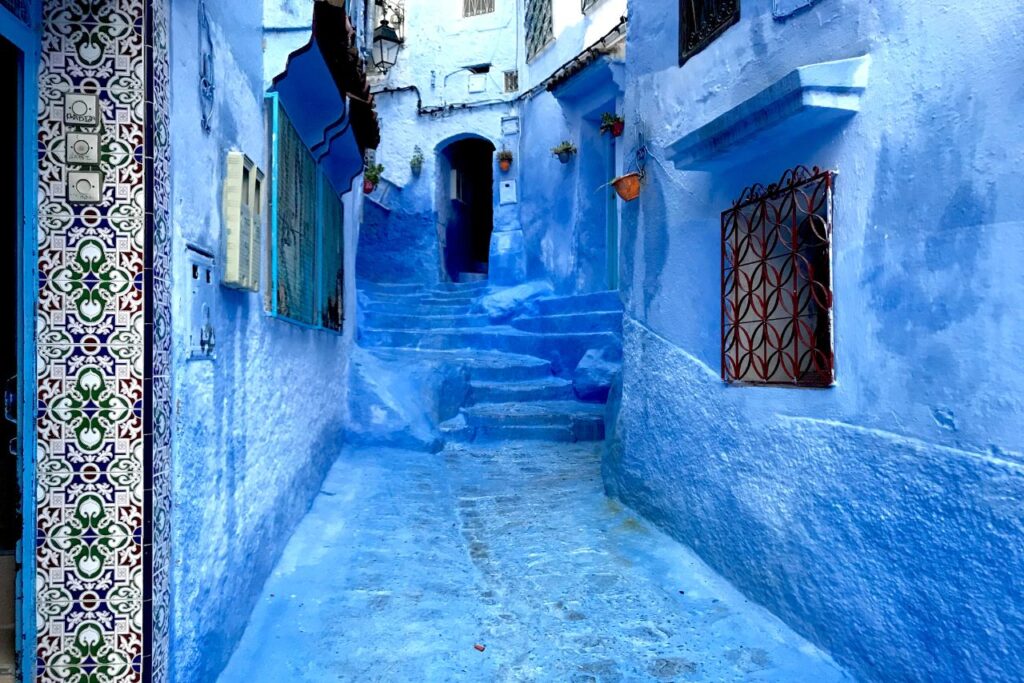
[386,44]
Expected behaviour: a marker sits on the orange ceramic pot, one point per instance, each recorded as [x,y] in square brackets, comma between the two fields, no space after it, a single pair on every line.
[628,186]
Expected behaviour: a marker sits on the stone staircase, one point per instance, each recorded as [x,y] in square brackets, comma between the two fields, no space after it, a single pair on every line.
[519,373]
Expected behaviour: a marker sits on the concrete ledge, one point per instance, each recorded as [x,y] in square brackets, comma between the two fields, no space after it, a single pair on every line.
[807,100]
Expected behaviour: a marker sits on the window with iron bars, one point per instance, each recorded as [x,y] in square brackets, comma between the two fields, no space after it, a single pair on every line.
[587,4]
[472,8]
[701,22]
[539,26]
[777,283]
[512,80]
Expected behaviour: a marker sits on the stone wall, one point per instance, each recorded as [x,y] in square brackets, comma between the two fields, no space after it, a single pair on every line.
[880,517]
[257,427]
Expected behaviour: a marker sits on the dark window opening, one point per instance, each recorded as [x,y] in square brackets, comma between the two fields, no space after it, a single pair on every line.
[701,22]
[777,283]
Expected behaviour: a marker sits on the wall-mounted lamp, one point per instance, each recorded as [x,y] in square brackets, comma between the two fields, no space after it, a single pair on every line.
[386,45]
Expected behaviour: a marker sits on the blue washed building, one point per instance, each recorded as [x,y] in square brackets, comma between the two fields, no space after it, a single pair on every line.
[331,367]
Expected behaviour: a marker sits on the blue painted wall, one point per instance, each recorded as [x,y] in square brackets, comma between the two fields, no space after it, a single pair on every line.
[881,518]
[256,429]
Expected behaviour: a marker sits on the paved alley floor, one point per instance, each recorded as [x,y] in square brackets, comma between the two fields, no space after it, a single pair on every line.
[408,560]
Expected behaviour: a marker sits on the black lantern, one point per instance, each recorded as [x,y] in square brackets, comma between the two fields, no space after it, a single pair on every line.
[386,44]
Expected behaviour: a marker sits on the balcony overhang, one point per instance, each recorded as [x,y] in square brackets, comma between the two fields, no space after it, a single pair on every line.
[808,100]
[324,91]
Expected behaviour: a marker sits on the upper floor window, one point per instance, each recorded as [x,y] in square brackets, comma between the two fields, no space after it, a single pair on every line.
[701,21]
[471,8]
[587,4]
[777,283]
[539,26]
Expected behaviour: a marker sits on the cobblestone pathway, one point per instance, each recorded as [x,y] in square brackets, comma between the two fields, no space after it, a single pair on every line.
[408,560]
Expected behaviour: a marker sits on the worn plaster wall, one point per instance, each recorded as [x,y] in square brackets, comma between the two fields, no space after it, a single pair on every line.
[255,429]
[882,517]
[563,208]
[439,44]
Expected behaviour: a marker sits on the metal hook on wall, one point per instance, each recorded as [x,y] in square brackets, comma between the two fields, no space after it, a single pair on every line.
[207,81]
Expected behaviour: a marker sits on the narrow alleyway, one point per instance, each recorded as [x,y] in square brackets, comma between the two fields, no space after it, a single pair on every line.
[408,560]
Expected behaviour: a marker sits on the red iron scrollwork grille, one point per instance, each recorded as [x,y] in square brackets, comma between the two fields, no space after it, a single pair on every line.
[777,283]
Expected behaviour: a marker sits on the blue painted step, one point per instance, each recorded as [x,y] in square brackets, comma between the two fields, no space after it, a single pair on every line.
[564,350]
[597,301]
[423,322]
[483,366]
[595,321]
[547,420]
[400,308]
[548,389]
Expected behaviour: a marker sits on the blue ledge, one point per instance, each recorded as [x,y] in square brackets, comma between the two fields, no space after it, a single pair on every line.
[807,100]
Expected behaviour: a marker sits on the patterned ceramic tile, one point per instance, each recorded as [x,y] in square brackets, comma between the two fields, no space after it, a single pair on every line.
[95,596]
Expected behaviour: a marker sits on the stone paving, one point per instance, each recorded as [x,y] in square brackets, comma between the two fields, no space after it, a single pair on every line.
[407,561]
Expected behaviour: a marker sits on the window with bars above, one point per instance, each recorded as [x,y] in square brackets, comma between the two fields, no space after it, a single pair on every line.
[777,283]
[472,8]
[701,22]
[512,80]
[539,26]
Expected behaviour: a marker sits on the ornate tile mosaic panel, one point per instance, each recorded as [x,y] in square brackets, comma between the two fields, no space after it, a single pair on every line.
[103,425]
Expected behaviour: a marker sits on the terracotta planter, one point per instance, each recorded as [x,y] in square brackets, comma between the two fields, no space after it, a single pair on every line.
[505,164]
[565,157]
[369,186]
[628,186]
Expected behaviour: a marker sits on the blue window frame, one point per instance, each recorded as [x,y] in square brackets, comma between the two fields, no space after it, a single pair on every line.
[306,248]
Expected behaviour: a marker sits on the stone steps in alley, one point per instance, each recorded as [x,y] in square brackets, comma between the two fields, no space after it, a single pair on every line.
[520,384]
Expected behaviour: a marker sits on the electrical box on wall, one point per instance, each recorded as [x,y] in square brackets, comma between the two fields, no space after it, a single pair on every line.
[243,222]
[202,300]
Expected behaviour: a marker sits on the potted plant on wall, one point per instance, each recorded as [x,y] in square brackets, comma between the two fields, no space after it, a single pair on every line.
[628,186]
[371,177]
[416,162]
[612,123]
[564,151]
[505,160]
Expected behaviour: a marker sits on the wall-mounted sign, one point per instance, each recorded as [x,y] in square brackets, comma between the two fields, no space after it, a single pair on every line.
[510,125]
[85,187]
[508,193]
[81,110]
[82,148]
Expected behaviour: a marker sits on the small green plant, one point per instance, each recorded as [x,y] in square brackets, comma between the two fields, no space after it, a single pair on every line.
[612,123]
[565,147]
[505,155]
[416,162]
[373,173]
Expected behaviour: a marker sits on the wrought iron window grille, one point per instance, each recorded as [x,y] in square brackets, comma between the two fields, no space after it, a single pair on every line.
[473,8]
[587,4]
[777,283]
[539,26]
[701,22]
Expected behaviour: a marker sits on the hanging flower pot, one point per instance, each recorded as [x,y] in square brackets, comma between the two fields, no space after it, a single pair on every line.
[612,123]
[371,177]
[505,160]
[628,186]
[416,162]
[564,151]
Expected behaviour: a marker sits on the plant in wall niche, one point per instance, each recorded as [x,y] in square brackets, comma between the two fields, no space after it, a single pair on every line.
[612,123]
[564,151]
[505,160]
[416,163]
[371,176]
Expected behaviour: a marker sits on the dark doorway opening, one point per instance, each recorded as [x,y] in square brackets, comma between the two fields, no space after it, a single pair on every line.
[10,495]
[466,207]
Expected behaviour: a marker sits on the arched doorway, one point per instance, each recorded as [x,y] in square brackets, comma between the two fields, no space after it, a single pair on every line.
[466,206]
